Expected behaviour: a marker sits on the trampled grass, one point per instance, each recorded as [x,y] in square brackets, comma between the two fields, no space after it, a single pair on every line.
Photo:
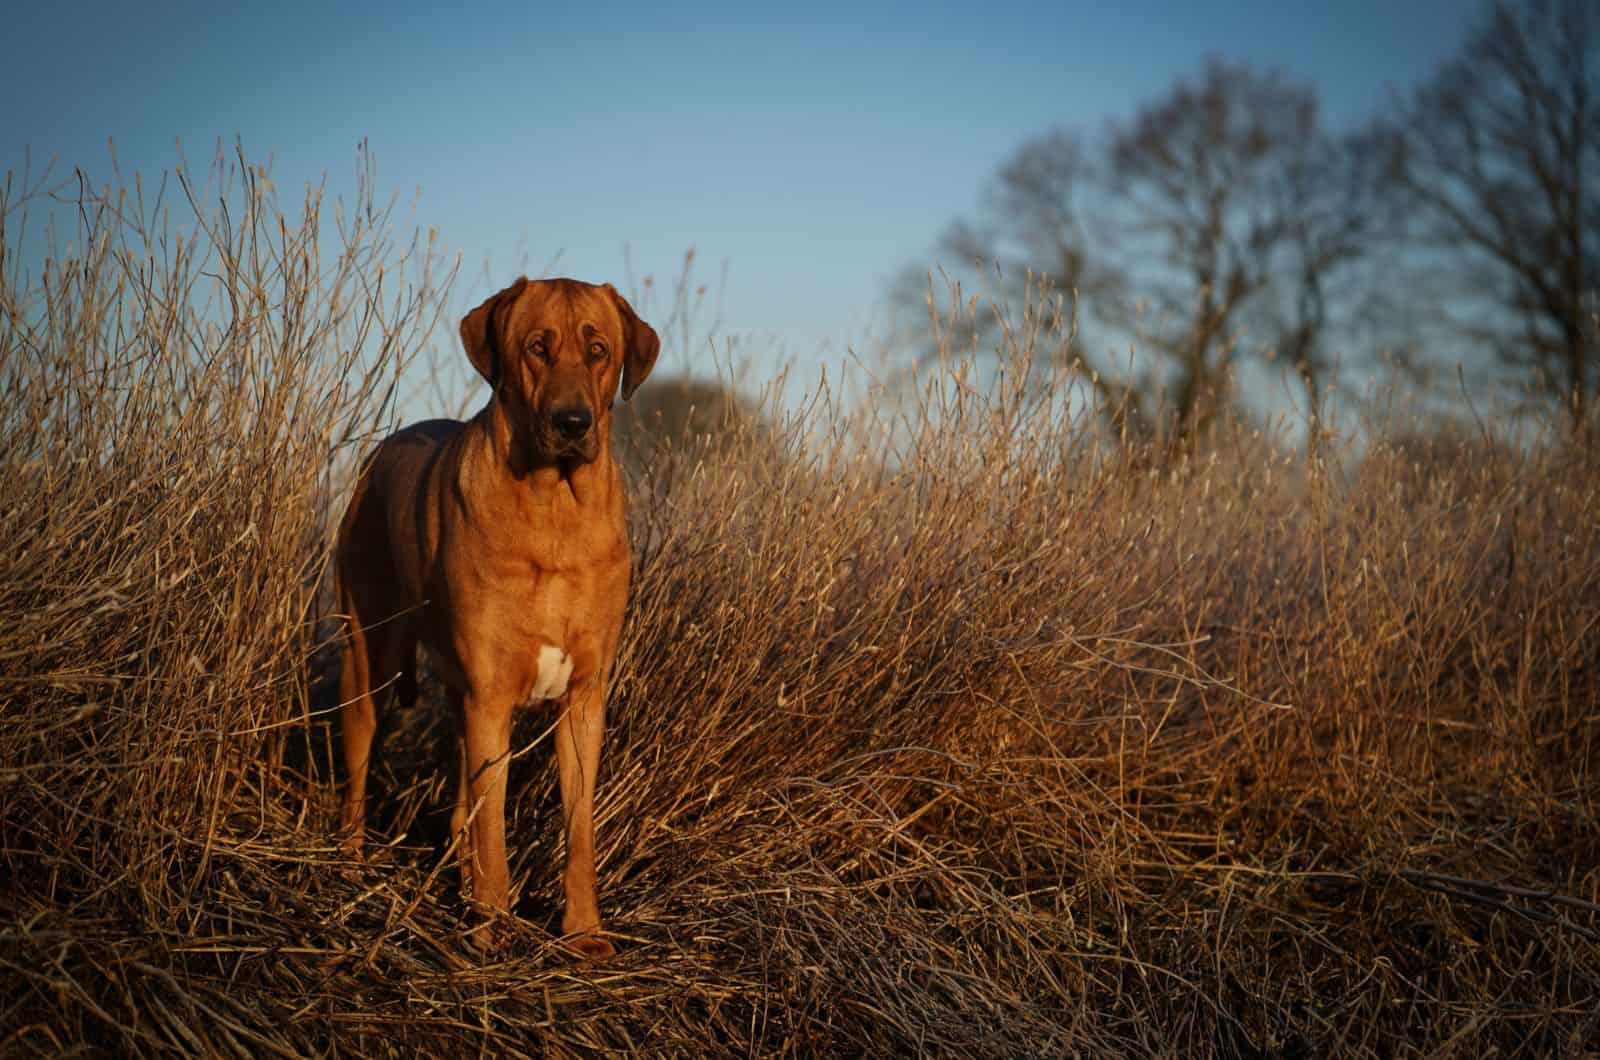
[956,729]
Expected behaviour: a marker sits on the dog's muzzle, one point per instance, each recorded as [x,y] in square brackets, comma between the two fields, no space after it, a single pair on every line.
[572,424]
[571,433]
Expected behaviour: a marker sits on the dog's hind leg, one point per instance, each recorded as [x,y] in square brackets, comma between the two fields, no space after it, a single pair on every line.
[378,657]
[461,815]
[358,723]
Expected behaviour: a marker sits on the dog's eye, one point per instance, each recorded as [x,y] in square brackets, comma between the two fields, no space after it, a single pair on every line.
[538,348]
[597,350]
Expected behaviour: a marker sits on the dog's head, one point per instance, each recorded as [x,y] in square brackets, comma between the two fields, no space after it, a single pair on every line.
[555,351]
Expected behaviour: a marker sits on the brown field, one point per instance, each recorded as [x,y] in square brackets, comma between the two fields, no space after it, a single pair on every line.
[946,725]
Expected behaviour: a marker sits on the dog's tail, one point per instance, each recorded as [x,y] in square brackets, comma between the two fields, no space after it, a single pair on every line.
[352,635]
[341,541]
[378,637]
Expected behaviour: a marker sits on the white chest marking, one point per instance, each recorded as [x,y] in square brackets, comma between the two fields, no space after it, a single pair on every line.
[555,667]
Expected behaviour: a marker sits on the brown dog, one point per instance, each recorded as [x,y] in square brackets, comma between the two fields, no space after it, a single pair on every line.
[500,544]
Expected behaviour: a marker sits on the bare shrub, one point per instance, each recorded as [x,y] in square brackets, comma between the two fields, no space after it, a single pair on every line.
[679,415]
[178,393]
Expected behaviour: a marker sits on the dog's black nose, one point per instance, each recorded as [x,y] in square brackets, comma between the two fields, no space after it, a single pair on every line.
[572,423]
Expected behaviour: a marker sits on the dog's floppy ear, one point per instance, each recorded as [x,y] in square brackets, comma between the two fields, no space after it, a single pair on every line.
[642,346]
[480,331]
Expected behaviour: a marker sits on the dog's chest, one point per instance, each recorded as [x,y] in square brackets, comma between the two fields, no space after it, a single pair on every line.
[546,629]
[537,601]
[551,674]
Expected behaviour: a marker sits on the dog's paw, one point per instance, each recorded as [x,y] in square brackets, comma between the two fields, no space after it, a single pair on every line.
[489,937]
[589,947]
[555,669]
[352,844]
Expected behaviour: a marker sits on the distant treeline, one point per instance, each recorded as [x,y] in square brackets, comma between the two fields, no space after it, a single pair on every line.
[1225,227]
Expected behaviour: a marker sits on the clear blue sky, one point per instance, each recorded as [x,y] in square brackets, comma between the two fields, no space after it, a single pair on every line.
[816,148]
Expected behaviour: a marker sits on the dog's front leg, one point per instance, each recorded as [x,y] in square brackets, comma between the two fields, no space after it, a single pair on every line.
[487,724]
[578,736]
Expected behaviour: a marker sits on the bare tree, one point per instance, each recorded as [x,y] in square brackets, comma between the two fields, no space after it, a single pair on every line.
[1215,223]
[1497,159]
[1033,243]
[1330,194]
[1237,199]
[1038,218]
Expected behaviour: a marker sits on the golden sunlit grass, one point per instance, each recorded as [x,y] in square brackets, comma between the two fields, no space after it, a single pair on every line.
[942,724]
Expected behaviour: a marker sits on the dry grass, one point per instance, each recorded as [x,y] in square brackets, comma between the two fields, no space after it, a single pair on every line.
[977,743]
